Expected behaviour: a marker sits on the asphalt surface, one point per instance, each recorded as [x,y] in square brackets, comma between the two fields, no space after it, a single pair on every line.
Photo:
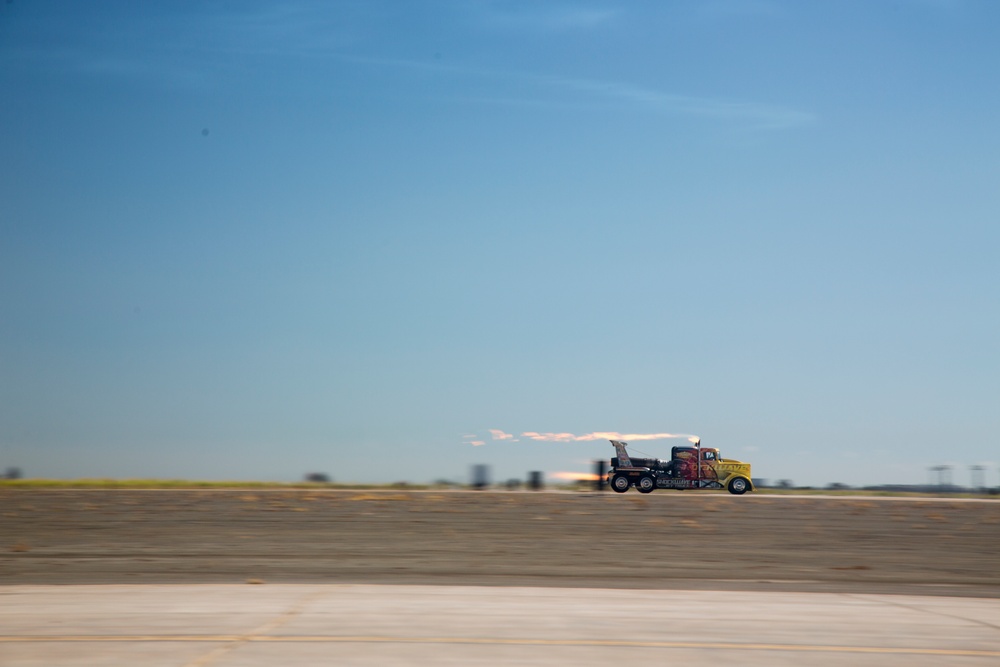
[291,625]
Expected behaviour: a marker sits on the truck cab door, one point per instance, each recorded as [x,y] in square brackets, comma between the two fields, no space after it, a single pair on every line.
[709,459]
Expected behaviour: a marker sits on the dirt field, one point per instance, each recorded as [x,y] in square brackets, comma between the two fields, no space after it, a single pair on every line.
[680,540]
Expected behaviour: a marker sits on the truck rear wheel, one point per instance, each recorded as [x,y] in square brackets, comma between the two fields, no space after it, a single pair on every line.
[738,486]
[620,483]
[646,484]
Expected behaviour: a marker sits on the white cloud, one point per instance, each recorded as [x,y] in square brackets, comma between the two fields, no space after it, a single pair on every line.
[497,434]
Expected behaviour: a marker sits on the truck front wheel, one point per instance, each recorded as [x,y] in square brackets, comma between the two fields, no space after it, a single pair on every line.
[738,486]
[646,484]
[620,483]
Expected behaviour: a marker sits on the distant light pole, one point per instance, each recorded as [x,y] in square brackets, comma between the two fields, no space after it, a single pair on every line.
[978,473]
[943,475]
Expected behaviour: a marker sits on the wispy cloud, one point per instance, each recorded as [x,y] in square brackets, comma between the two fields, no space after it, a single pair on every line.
[764,115]
[497,434]
[538,16]
[552,90]
[195,53]
[191,46]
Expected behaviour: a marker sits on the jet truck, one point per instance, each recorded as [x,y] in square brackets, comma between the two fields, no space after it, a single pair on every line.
[689,467]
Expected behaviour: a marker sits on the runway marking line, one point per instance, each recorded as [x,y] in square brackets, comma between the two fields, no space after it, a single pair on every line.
[495,641]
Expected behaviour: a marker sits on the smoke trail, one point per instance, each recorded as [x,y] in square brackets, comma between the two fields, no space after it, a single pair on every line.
[609,435]
[498,434]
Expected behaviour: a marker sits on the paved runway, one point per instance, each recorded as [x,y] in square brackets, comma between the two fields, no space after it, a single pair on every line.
[291,625]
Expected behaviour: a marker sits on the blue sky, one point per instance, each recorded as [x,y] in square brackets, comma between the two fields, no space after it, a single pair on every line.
[243,241]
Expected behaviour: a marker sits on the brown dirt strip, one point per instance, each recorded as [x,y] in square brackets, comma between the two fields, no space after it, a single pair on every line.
[669,540]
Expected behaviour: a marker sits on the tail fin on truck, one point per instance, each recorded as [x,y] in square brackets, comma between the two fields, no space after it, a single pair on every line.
[623,458]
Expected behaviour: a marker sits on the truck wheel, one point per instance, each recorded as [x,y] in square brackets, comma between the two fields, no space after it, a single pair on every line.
[646,484]
[620,483]
[738,486]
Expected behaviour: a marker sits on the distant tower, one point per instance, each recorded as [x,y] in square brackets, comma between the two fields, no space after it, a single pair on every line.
[978,473]
[943,475]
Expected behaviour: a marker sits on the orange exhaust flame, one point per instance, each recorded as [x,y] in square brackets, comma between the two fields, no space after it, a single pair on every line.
[575,476]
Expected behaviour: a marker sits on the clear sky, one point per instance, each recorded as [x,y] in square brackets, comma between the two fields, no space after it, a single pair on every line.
[250,240]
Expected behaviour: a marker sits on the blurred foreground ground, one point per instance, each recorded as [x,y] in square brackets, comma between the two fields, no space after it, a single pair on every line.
[663,540]
[293,624]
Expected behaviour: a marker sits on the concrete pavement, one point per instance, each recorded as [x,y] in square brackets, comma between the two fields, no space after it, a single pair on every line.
[291,625]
